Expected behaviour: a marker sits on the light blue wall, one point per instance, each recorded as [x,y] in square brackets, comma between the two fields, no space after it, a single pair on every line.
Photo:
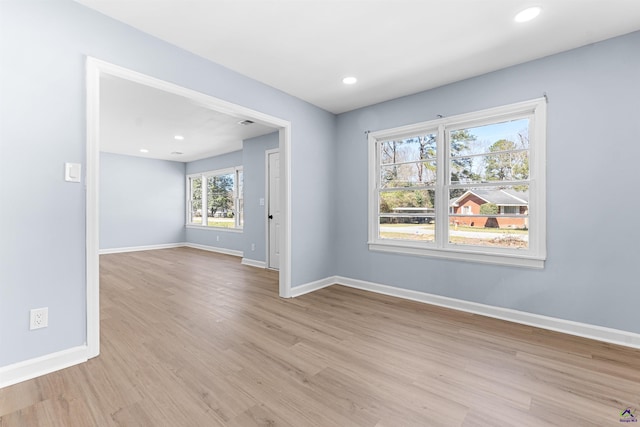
[142,201]
[216,237]
[43,48]
[223,161]
[593,267]
[253,159]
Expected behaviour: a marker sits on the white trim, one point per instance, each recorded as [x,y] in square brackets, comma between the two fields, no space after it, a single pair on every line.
[285,212]
[585,330]
[216,172]
[211,228]
[204,176]
[533,256]
[214,249]
[94,69]
[140,248]
[32,368]
[253,263]
[313,286]
[173,245]
[406,247]
[569,327]
[92,223]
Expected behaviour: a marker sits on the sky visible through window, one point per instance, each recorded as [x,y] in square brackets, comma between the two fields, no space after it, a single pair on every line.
[488,134]
[475,152]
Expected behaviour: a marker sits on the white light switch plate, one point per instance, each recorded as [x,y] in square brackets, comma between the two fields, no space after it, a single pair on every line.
[72,172]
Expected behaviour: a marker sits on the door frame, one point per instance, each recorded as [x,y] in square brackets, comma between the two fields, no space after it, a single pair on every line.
[95,68]
[267,194]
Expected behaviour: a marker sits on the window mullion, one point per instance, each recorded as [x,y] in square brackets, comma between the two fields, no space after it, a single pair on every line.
[442,169]
[203,194]
[189,204]
[374,188]
[236,198]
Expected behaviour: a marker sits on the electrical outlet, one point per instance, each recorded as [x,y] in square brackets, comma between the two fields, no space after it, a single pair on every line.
[253,246]
[217,238]
[39,318]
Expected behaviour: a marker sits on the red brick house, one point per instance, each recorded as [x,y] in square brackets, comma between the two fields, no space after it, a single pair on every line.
[513,208]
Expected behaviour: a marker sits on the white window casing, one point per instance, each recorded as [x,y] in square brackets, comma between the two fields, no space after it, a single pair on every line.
[534,253]
[237,173]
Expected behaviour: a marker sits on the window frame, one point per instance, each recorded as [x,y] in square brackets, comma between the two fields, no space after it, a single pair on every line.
[533,256]
[238,199]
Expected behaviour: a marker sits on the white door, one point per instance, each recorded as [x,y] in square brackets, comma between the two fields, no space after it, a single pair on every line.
[273,209]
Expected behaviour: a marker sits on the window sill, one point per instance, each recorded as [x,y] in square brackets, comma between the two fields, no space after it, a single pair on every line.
[513,260]
[202,227]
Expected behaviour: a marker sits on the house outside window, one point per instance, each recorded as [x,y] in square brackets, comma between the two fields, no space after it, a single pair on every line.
[465,187]
[215,199]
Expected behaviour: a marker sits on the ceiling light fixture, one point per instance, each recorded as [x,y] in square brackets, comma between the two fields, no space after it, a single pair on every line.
[246,122]
[528,14]
[178,137]
[349,80]
[144,150]
[177,153]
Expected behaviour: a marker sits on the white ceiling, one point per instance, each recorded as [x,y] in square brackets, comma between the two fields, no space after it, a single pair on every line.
[393,47]
[135,117]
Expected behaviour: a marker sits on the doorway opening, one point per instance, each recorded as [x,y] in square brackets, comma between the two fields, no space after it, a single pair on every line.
[95,69]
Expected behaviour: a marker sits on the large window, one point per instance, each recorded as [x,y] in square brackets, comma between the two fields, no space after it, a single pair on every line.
[466,187]
[215,199]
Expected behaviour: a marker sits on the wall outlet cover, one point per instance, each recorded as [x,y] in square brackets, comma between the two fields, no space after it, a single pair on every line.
[39,318]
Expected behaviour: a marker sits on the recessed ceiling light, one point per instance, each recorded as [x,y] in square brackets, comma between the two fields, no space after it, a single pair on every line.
[528,14]
[246,122]
[349,80]
[144,150]
[178,137]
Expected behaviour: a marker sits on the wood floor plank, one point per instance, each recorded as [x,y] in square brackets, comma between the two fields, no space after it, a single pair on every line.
[194,338]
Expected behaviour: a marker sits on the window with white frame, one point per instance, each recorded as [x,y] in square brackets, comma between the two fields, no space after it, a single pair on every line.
[468,187]
[214,199]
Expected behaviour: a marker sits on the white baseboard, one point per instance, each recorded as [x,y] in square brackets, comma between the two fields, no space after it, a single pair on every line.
[213,249]
[32,368]
[585,330]
[313,286]
[140,248]
[254,263]
[28,369]
[170,246]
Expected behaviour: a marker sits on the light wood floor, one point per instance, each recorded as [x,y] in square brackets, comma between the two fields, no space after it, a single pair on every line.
[191,338]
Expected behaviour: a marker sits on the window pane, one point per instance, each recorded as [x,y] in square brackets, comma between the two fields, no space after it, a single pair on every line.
[407,215]
[510,166]
[195,185]
[240,213]
[408,150]
[408,175]
[493,152]
[220,202]
[491,138]
[493,216]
